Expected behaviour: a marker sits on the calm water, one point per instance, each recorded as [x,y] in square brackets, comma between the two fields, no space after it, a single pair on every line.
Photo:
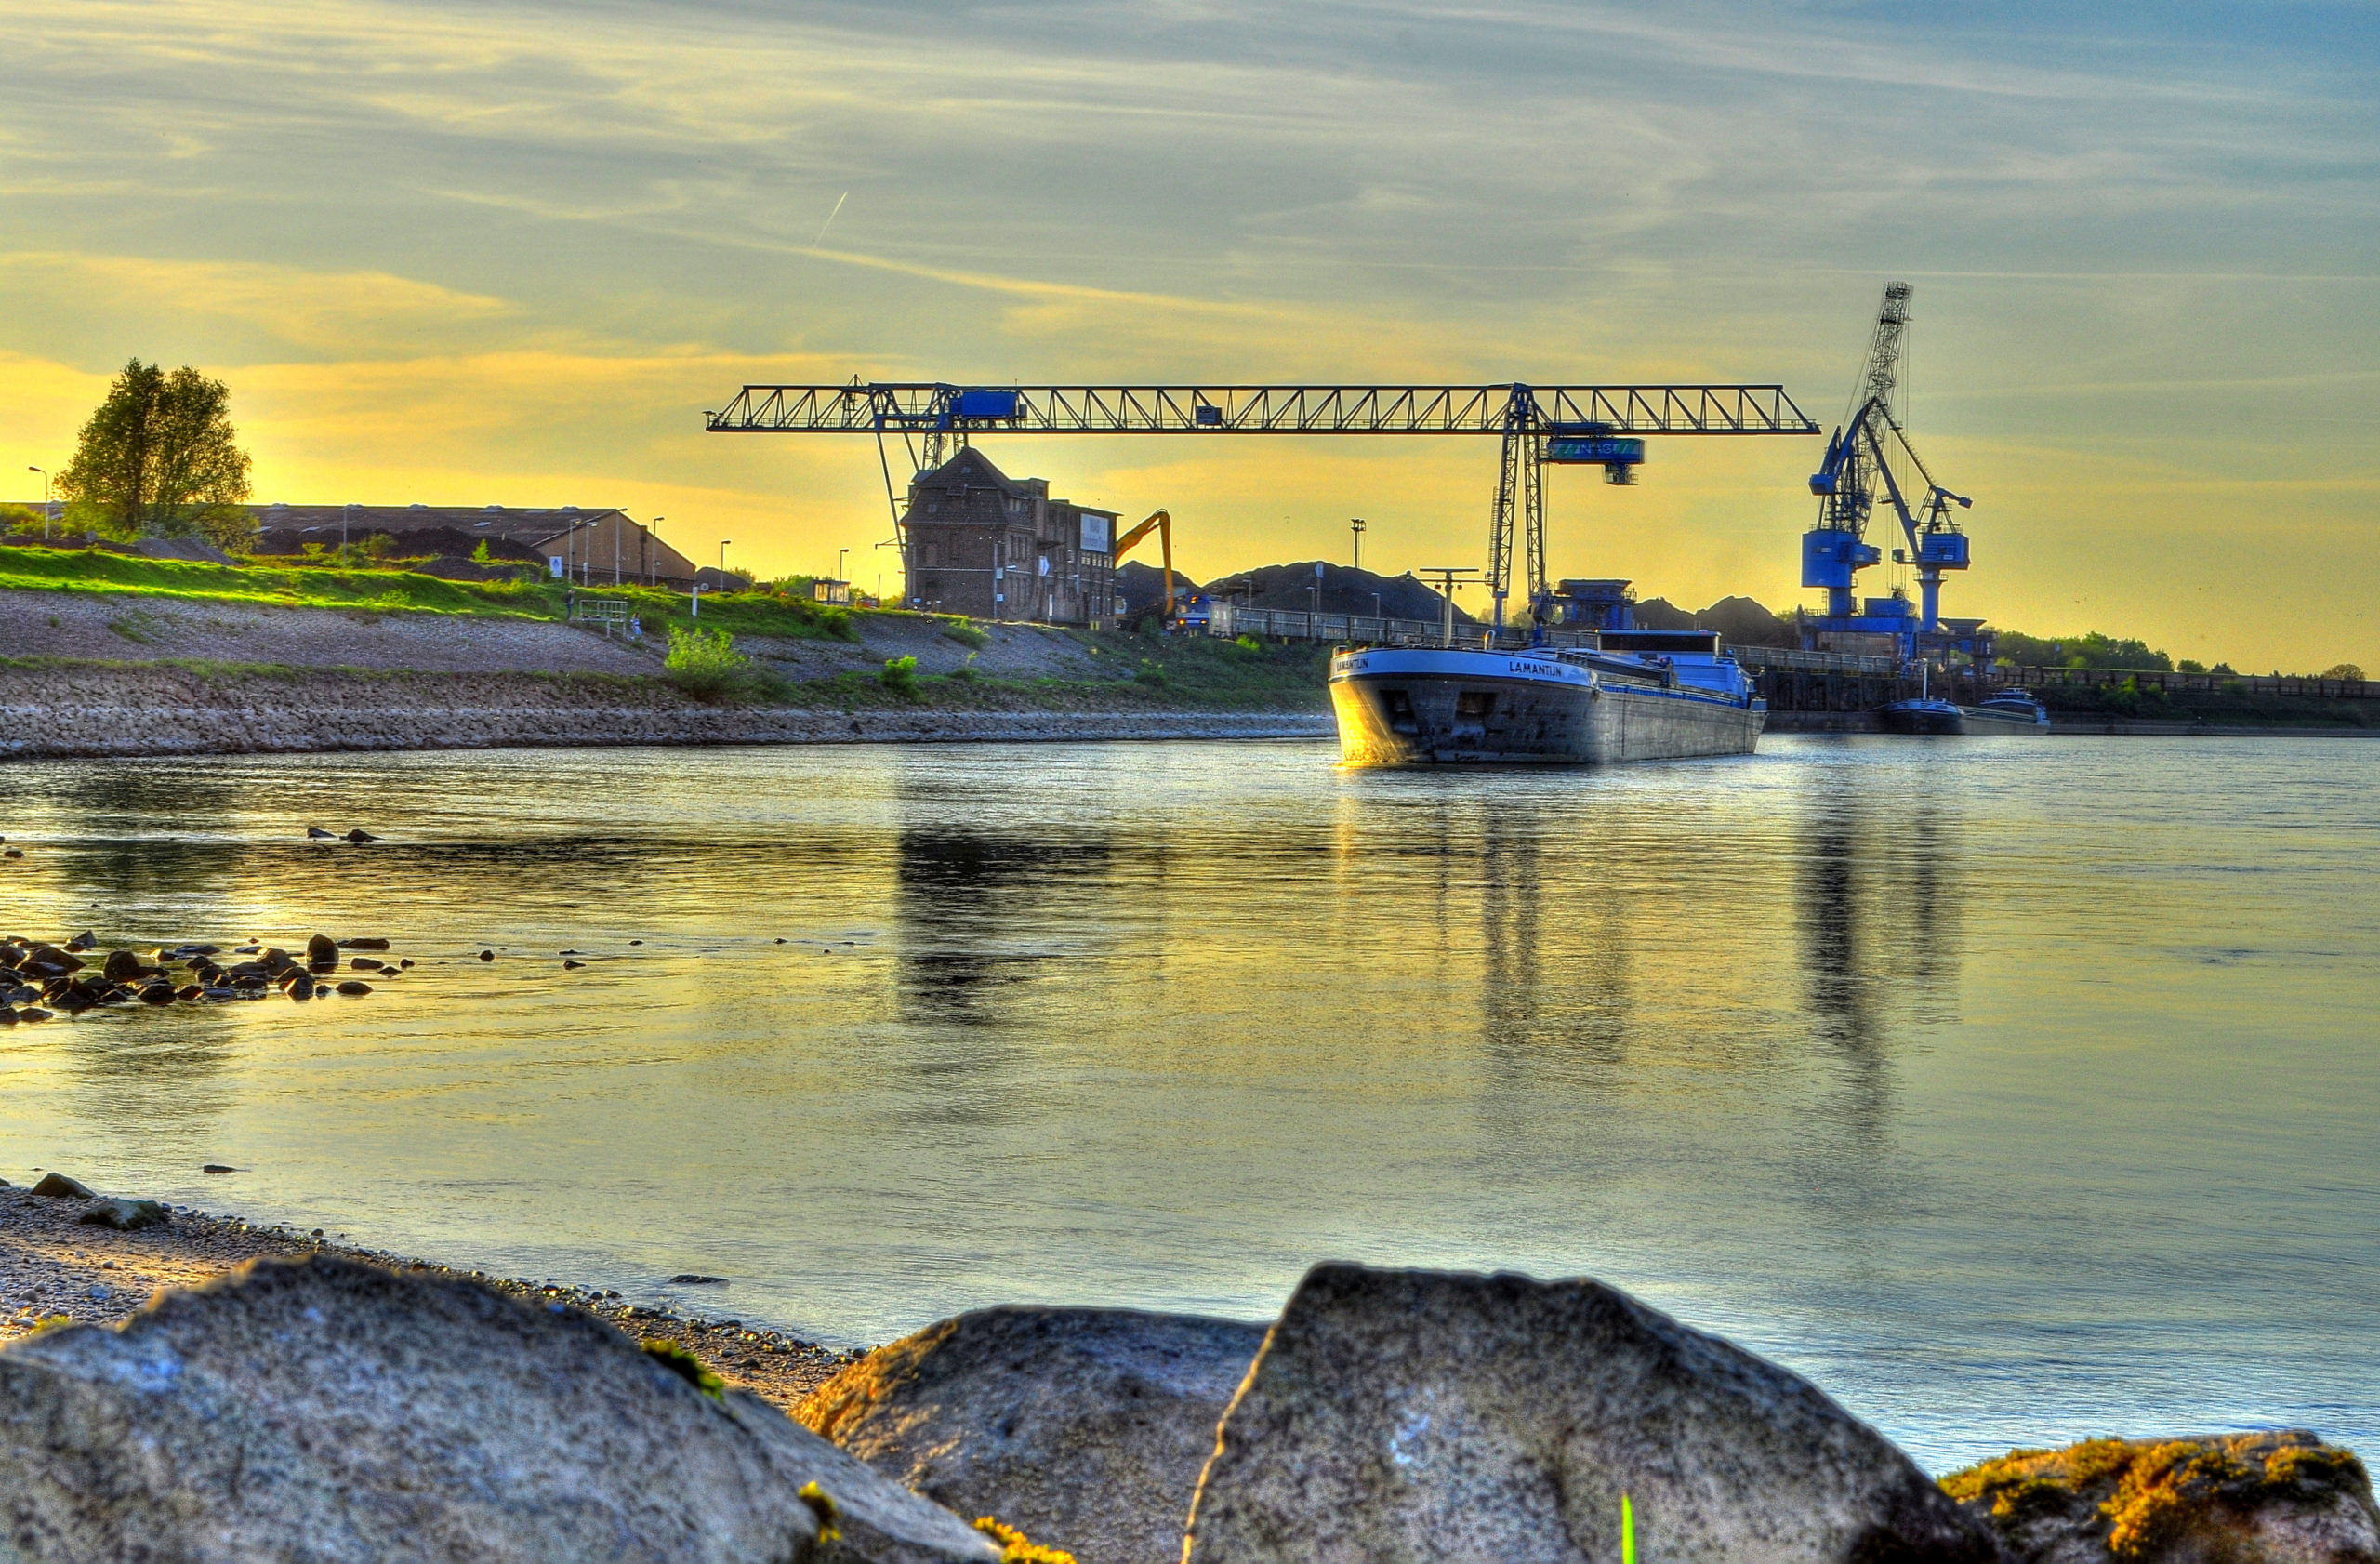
[2013,1090]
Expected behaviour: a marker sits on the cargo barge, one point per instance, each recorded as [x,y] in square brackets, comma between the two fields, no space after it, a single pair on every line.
[1635,696]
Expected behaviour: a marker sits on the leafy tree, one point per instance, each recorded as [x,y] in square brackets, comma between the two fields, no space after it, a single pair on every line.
[2092,650]
[160,458]
[2342,670]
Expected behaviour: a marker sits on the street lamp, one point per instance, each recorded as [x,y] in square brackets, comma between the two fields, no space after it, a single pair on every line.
[841,555]
[722,563]
[1356,526]
[653,565]
[45,499]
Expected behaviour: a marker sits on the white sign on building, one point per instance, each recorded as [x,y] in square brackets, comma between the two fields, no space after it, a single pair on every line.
[1098,533]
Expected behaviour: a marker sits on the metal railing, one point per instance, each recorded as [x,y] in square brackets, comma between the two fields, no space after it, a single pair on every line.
[612,613]
[1228,619]
[2211,684]
[1811,662]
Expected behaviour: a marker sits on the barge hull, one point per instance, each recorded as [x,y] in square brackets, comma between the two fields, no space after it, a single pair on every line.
[1404,719]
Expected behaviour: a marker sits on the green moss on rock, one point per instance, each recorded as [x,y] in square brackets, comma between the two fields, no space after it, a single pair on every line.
[2151,1499]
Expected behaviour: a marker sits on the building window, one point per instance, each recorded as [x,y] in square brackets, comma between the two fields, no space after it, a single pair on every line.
[933,553]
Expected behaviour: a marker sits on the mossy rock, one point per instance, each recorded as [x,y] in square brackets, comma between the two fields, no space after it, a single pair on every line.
[2284,1497]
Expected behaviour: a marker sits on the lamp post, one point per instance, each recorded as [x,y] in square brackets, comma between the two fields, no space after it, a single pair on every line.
[45,499]
[1356,526]
[344,512]
[653,565]
[722,563]
[841,555]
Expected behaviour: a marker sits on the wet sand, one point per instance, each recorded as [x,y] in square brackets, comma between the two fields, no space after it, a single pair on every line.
[52,1265]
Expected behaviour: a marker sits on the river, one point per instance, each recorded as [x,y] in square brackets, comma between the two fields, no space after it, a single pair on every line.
[2013,1089]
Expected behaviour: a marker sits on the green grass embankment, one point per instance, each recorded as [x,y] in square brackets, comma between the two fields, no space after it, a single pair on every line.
[1153,673]
[395,589]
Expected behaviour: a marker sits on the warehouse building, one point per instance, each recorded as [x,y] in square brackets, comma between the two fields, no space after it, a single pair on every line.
[599,547]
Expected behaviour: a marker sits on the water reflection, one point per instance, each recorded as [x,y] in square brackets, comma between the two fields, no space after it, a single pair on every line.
[1162,1026]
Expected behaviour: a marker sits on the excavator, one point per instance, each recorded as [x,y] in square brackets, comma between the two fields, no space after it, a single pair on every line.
[1163,524]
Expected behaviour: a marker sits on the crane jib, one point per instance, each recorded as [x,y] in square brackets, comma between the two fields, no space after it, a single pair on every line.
[1556,412]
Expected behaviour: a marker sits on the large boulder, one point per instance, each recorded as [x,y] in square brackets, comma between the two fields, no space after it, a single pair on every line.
[1084,1428]
[2269,1498]
[327,1410]
[877,1520]
[1409,1415]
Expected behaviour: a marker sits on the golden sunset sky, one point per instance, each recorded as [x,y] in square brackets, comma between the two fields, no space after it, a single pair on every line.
[501,252]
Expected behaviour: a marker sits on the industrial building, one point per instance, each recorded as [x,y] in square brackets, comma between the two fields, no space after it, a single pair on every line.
[992,547]
[602,547]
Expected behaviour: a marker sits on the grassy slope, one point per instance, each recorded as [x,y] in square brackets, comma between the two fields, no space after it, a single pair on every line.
[1166,673]
[113,575]
[1172,672]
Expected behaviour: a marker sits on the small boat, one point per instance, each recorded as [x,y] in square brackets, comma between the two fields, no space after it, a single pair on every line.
[1926,713]
[1639,696]
[2009,712]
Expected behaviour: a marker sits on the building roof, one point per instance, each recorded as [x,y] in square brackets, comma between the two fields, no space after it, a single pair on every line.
[972,467]
[529,524]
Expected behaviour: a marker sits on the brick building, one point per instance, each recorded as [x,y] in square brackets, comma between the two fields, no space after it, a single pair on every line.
[992,547]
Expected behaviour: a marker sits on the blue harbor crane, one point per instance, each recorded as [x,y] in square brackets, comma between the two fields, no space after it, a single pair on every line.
[1540,426]
[1869,459]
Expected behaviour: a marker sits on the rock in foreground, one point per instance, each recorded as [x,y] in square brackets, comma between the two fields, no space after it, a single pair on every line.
[1409,1417]
[2272,1498]
[1084,1428]
[328,1412]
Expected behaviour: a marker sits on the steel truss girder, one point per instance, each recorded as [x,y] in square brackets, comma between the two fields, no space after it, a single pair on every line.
[925,406]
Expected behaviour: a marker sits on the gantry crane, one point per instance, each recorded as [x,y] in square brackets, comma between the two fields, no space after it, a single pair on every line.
[1539,426]
[1859,469]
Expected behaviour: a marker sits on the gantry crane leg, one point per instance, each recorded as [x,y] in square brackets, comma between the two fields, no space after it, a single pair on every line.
[1520,507]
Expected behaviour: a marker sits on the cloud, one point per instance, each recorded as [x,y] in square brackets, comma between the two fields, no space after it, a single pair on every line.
[341,312]
[512,248]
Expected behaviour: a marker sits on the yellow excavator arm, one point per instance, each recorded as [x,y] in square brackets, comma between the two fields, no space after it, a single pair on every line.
[1163,522]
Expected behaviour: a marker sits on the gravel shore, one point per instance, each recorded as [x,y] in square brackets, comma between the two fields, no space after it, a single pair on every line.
[68,710]
[52,1265]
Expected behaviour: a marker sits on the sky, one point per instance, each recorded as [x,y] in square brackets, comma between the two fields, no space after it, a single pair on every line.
[498,252]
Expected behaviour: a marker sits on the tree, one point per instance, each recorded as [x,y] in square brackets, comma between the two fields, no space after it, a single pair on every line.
[160,458]
[2344,670]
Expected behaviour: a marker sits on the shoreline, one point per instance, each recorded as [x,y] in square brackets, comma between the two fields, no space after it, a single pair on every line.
[82,710]
[52,1265]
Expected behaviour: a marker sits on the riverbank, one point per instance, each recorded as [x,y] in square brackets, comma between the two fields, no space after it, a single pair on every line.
[55,708]
[2071,724]
[53,1265]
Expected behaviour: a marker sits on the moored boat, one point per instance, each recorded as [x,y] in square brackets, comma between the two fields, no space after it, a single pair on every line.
[1639,696]
[1924,714]
[2009,712]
